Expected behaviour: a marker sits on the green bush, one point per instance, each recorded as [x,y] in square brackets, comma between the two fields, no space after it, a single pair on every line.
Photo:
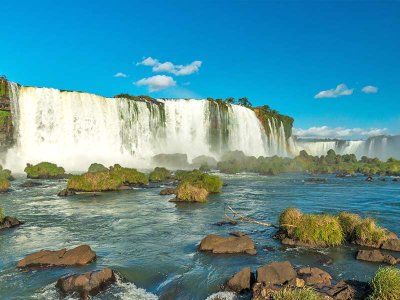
[5,174]
[349,222]
[296,294]
[367,232]
[212,183]
[95,167]
[386,284]
[190,193]
[44,170]
[290,218]
[4,184]
[129,176]
[2,215]
[159,174]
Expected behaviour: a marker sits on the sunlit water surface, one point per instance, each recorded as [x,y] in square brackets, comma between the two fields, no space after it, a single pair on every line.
[152,243]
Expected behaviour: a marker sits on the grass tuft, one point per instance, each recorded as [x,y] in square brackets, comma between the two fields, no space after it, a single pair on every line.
[386,284]
[296,294]
[190,193]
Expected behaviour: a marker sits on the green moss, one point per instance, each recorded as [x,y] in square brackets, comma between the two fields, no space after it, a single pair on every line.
[212,183]
[95,167]
[5,116]
[367,232]
[44,170]
[159,174]
[5,174]
[129,176]
[2,215]
[386,284]
[190,193]
[296,294]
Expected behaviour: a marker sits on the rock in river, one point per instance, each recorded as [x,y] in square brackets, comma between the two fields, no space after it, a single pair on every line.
[87,284]
[231,244]
[276,273]
[81,255]
[241,281]
[376,256]
[9,222]
[167,191]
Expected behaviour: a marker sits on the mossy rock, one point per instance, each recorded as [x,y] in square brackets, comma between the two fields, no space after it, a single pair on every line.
[4,185]
[212,183]
[5,174]
[95,167]
[129,176]
[160,174]
[186,192]
[44,170]
[385,284]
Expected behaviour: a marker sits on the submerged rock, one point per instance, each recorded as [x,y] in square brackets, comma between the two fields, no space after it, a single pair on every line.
[9,222]
[81,255]
[241,281]
[167,191]
[376,256]
[30,183]
[276,273]
[349,289]
[369,178]
[87,284]
[66,193]
[229,245]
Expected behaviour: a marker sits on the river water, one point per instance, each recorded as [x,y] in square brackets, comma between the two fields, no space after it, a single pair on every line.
[152,243]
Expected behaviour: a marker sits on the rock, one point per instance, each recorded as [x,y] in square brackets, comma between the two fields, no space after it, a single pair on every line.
[276,273]
[124,188]
[9,222]
[81,255]
[241,281]
[237,233]
[369,178]
[349,289]
[315,277]
[391,244]
[30,183]
[316,180]
[280,235]
[222,223]
[376,256]
[167,191]
[231,244]
[66,193]
[396,179]
[292,242]
[297,282]
[87,284]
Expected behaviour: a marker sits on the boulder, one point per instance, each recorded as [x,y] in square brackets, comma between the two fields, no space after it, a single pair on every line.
[66,193]
[396,179]
[369,178]
[315,277]
[241,281]
[87,284]
[231,244]
[81,255]
[349,289]
[30,183]
[276,273]
[391,244]
[167,191]
[9,222]
[376,256]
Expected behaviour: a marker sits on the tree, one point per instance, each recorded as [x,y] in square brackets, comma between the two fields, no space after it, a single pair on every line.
[244,102]
[230,100]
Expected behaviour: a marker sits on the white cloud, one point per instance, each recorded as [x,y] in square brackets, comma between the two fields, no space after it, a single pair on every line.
[120,74]
[169,67]
[156,83]
[338,132]
[369,89]
[340,90]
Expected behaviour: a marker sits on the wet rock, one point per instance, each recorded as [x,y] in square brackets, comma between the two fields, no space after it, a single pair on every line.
[315,277]
[297,282]
[167,191]
[87,284]
[369,178]
[223,223]
[231,244]
[237,233]
[269,249]
[81,255]
[292,242]
[396,179]
[241,281]
[376,256]
[66,193]
[280,235]
[30,183]
[391,244]
[124,188]
[276,273]
[9,222]
[315,180]
[349,289]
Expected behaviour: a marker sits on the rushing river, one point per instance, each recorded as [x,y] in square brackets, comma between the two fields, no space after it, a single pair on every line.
[152,243]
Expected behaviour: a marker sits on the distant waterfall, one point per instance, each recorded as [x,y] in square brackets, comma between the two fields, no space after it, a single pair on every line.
[75,129]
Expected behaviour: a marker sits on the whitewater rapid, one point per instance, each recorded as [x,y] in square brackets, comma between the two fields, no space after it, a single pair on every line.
[76,129]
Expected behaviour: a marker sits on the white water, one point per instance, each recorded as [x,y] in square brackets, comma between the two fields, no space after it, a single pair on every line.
[76,129]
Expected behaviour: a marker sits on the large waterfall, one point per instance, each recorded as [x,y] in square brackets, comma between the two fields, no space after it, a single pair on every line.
[76,129]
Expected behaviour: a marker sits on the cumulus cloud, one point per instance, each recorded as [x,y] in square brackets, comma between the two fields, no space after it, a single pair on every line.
[338,132]
[340,90]
[120,74]
[156,83]
[169,67]
[369,89]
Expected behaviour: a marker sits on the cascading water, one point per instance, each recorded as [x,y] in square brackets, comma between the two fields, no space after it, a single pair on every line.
[76,129]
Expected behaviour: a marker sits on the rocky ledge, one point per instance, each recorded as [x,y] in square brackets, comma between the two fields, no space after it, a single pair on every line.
[87,284]
[9,222]
[81,255]
[234,244]
[377,256]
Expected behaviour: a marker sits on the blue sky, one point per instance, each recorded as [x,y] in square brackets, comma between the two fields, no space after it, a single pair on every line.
[278,53]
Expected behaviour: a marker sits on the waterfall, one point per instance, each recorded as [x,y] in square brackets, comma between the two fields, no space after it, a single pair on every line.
[75,129]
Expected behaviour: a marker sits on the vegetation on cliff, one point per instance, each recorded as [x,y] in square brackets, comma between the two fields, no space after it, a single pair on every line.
[44,170]
[159,174]
[5,117]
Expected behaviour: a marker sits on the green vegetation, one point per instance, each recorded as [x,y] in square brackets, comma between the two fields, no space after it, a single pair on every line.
[296,294]
[266,115]
[95,167]
[4,117]
[5,174]
[4,184]
[44,170]
[331,230]
[2,215]
[109,180]
[190,193]
[160,174]
[386,284]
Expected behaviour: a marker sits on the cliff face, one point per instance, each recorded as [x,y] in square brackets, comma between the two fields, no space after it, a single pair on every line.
[6,126]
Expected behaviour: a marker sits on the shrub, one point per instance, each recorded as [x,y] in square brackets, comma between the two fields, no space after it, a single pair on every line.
[4,184]
[349,222]
[296,294]
[2,215]
[159,174]
[44,170]
[190,193]
[367,232]
[289,218]
[95,167]
[319,229]
[5,174]
[386,284]
[128,175]
[94,182]
[211,183]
